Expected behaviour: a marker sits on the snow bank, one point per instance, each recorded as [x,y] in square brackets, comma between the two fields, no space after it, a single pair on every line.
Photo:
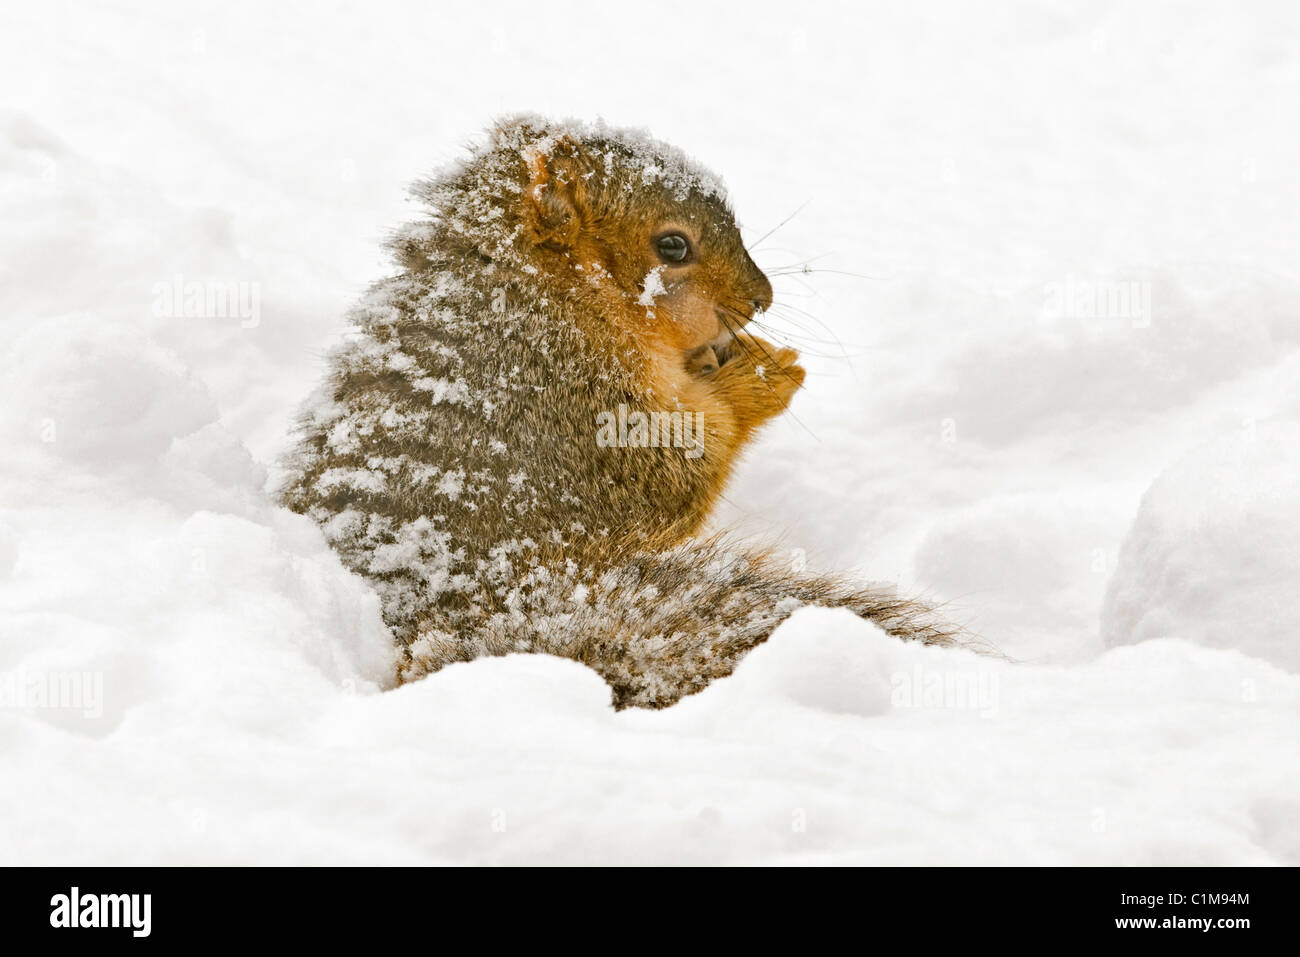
[1214,554]
[867,751]
[139,542]
[191,676]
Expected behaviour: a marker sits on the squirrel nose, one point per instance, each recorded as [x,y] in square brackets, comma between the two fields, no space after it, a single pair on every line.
[761,297]
[758,290]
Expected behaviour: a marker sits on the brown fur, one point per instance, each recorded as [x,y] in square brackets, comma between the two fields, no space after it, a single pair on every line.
[453,459]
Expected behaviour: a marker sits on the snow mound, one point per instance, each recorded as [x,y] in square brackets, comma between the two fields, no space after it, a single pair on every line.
[109,396]
[189,675]
[139,555]
[821,661]
[1214,553]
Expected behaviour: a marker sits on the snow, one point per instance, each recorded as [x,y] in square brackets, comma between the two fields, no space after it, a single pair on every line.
[1214,554]
[1058,394]
[652,288]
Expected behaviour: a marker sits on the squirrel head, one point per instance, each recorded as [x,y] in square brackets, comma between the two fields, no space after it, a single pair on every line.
[651,234]
[629,224]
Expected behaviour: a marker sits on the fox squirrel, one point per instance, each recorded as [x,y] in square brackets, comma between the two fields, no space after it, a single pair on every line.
[535,415]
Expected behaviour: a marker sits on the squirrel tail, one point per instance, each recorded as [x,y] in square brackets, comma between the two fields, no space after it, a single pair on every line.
[661,626]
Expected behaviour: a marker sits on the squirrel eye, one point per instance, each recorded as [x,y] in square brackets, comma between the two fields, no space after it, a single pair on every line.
[673,248]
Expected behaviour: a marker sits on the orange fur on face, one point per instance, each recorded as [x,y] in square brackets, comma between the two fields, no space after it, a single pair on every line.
[681,306]
[693,304]
[685,318]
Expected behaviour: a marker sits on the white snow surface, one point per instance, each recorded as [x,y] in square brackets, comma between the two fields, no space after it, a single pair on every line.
[1214,552]
[1058,393]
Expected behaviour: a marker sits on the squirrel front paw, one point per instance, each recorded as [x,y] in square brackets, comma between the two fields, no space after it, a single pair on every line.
[756,377]
[702,361]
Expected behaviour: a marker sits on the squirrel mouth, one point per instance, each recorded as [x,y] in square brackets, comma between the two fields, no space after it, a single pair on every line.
[724,347]
[711,356]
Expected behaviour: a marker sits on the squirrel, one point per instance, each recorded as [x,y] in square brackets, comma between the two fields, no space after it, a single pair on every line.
[531,420]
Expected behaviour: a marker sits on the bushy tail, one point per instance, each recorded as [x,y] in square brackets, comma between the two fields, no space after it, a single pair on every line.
[659,627]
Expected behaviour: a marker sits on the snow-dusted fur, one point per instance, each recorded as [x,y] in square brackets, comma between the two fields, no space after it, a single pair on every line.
[451,456]
[660,626]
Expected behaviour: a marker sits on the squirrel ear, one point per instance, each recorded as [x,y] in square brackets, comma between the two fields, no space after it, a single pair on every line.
[555,199]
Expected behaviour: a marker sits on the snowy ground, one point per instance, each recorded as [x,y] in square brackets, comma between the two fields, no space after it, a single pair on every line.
[1060,391]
